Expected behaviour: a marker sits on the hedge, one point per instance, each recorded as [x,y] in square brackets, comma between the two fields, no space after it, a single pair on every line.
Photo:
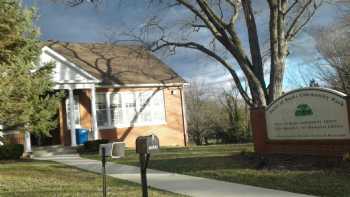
[11,151]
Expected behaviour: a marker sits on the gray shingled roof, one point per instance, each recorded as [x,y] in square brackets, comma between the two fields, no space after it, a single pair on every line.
[117,64]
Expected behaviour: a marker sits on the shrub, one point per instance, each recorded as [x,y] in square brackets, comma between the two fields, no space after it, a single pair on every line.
[11,151]
[92,146]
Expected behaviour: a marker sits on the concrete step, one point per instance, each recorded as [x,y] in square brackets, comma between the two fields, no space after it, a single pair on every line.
[46,151]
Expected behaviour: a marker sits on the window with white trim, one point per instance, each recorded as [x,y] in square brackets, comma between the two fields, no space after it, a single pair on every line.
[101,110]
[129,105]
[116,109]
[124,109]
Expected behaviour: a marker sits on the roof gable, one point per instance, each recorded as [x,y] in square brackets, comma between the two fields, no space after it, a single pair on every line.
[117,64]
[64,71]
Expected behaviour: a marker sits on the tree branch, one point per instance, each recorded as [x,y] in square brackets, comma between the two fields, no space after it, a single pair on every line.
[215,19]
[232,44]
[198,14]
[253,41]
[295,21]
[235,5]
[292,35]
[193,45]
[291,7]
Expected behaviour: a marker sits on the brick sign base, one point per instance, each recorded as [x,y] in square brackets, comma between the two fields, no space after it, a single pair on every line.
[264,145]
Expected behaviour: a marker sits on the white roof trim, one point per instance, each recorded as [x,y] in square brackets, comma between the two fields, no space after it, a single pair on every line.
[140,85]
[73,86]
[56,55]
[75,82]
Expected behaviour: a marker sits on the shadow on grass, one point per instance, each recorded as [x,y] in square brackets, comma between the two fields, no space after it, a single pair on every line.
[183,165]
[250,161]
[17,161]
[280,172]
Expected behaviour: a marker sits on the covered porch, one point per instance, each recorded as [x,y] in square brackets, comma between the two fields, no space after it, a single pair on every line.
[77,110]
[70,78]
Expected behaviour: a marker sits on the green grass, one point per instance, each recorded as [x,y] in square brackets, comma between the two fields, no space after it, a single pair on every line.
[46,179]
[306,175]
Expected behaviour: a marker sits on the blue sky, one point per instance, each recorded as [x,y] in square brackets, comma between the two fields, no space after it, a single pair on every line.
[88,23]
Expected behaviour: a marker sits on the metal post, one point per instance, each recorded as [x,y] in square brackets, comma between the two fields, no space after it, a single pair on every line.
[144,158]
[104,184]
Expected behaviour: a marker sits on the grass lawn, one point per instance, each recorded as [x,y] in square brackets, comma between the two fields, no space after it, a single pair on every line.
[46,179]
[308,175]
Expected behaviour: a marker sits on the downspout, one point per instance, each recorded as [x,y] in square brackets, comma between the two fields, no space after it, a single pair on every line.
[184,120]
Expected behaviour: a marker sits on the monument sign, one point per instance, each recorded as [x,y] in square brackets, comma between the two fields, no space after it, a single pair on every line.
[308,114]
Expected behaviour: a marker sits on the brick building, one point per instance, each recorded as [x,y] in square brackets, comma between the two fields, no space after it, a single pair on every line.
[117,92]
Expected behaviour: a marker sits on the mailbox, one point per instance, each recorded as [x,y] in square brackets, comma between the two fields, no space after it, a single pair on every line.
[114,150]
[147,144]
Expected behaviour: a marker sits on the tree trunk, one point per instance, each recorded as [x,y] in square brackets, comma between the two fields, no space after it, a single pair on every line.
[279,47]
[277,83]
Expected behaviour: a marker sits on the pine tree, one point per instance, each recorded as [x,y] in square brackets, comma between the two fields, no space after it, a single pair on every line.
[26,97]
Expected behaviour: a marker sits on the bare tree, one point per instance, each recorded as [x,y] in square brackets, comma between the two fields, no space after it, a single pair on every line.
[332,44]
[200,114]
[220,17]
[234,109]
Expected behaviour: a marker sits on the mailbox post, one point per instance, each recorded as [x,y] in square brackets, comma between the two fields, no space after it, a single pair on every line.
[145,145]
[103,159]
[114,150]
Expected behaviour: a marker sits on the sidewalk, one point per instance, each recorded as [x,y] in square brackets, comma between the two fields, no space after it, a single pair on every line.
[177,183]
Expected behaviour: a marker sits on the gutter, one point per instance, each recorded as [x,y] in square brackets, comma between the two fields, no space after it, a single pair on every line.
[141,85]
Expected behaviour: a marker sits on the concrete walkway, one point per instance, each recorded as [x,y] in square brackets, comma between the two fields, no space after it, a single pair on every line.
[177,183]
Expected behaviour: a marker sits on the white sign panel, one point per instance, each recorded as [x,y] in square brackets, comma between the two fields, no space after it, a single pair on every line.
[308,114]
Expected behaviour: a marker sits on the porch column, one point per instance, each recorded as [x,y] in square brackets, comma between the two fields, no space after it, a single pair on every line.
[27,142]
[93,113]
[72,117]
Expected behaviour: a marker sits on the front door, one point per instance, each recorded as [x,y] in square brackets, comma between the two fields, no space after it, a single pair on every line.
[76,112]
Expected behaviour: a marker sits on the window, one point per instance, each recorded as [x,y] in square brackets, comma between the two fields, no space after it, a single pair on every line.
[145,107]
[124,109]
[101,110]
[158,108]
[116,109]
[151,107]
[129,108]
[76,111]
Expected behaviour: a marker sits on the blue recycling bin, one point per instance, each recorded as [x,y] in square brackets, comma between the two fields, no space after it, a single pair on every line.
[82,135]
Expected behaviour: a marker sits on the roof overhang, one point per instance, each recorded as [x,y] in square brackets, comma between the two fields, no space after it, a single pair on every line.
[89,80]
[141,85]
